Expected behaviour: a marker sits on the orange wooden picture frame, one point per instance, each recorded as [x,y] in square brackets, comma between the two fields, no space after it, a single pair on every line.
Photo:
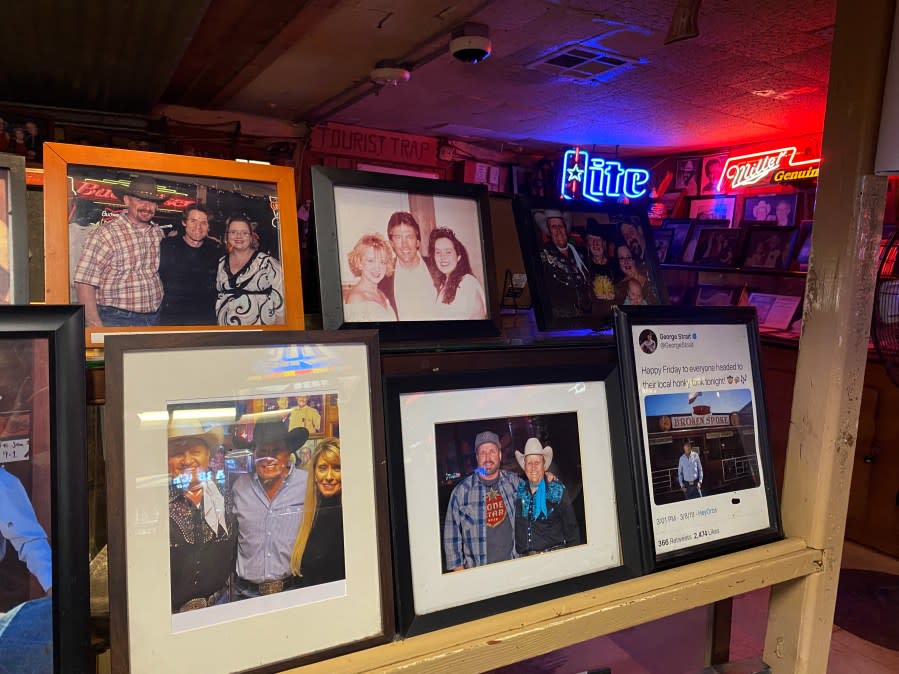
[59,156]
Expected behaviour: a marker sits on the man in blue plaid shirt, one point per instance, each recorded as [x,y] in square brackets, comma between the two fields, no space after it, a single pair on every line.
[479,526]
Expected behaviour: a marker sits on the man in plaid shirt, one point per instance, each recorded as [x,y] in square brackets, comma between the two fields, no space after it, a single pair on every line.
[479,525]
[117,277]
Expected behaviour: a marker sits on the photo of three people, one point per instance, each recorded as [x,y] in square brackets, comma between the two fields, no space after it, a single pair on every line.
[409,257]
[148,250]
[255,498]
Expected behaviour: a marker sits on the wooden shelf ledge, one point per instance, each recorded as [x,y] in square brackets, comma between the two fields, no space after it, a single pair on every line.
[534,630]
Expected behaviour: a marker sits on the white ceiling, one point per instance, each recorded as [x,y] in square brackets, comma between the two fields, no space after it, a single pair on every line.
[758,70]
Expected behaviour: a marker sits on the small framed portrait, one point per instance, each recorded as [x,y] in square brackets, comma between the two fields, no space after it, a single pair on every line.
[717,247]
[686,176]
[769,247]
[681,229]
[581,259]
[663,239]
[705,477]
[775,208]
[508,487]
[155,242]
[246,516]
[13,231]
[714,296]
[805,248]
[691,245]
[44,620]
[713,208]
[409,256]
[712,166]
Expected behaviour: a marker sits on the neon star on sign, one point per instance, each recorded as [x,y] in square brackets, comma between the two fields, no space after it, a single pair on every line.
[750,169]
[595,178]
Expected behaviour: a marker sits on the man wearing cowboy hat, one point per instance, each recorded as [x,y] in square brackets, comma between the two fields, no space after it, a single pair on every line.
[544,518]
[565,276]
[117,277]
[269,507]
[187,266]
[202,532]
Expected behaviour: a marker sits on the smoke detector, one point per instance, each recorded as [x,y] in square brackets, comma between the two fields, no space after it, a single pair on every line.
[385,74]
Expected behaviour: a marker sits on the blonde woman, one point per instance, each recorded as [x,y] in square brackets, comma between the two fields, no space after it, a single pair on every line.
[371,260]
[318,551]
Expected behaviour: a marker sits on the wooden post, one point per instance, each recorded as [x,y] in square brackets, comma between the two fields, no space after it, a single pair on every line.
[833,348]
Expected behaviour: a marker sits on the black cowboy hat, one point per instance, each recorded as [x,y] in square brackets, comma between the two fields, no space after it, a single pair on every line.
[142,187]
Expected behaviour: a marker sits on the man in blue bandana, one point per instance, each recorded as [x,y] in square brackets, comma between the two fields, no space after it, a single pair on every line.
[544,517]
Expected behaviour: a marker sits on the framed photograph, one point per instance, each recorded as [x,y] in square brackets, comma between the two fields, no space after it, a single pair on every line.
[717,247]
[252,521]
[695,405]
[774,312]
[663,239]
[713,208]
[581,259]
[805,248]
[776,208]
[769,247]
[689,251]
[44,621]
[23,133]
[715,296]
[404,255]
[13,231]
[156,242]
[686,177]
[712,166]
[681,230]
[533,461]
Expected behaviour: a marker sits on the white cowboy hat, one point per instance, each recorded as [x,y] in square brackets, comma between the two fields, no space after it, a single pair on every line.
[533,446]
[190,428]
[540,217]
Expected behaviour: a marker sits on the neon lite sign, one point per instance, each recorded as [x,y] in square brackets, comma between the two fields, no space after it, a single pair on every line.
[750,169]
[598,178]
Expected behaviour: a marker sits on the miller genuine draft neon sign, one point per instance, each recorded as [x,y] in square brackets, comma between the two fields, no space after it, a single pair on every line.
[751,169]
[595,178]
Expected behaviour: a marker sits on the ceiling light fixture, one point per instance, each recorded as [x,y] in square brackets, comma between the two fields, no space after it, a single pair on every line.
[471,43]
[685,22]
[385,74]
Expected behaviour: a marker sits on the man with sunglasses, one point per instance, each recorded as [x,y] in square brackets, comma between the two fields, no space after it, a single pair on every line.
[268,505]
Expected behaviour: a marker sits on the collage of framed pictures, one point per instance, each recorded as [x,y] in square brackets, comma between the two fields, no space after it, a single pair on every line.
[536,458]
[581,259]
[13,231]
[115,217]
[409,256]
[698,429]
[293,532]
[44,623]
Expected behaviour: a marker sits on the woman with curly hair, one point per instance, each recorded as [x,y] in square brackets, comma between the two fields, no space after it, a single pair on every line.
[371,260]
[459,294]
[318,551]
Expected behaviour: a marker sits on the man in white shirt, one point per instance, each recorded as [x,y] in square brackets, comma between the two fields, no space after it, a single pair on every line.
[410,289]
[689,472]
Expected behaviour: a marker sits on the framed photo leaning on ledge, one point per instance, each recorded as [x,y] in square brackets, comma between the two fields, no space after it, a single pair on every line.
[245,499]
[698,429]
[157,242]
[535,456]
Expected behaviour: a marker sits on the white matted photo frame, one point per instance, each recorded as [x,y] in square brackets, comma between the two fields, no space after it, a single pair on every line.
[153,242]
[713,208]
[233,509]
[455,437]
[13,231]
[410,256]
[695,406]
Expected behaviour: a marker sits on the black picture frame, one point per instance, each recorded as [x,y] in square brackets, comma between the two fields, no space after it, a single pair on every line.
[342,616]
[411,562]
[688,252]
[337,234]
[714,296]
[663,239]
[717,247]
[576,296]
[681,227]
[779,209]
[62,329]
[769,247]
[713,207]
[740,507]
